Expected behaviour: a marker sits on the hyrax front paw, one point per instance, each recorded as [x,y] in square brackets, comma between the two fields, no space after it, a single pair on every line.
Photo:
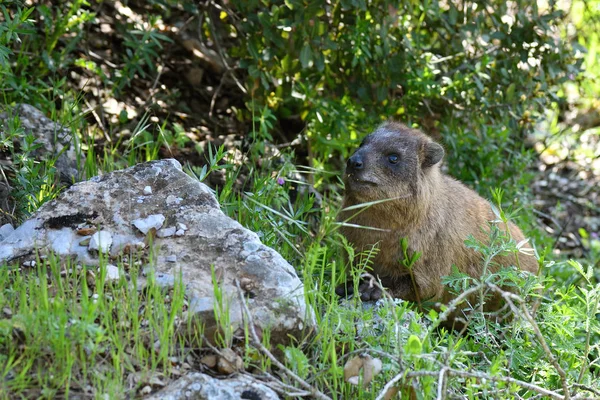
[367,289]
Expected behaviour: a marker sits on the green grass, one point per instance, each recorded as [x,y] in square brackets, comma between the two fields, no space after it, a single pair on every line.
[65,335]
[66,329]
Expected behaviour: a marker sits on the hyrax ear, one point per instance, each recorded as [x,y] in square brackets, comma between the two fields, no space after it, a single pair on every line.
[432,154]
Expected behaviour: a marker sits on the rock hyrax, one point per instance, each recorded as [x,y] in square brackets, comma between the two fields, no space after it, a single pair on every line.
[434,212]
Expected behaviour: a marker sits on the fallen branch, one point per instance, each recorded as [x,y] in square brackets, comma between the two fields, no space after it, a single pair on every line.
[465,374]
[509,297]
[255,340]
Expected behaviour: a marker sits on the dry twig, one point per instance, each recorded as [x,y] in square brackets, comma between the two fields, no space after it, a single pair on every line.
[259,346]
[509,297]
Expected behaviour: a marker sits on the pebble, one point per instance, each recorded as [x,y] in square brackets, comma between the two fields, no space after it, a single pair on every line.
[112,273]
[172,200]
[6,230]
[166,232]
[101,241]
[151,221]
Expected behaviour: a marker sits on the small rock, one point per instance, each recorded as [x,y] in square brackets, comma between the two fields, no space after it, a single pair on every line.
[151,221]
[172,258]
[172,200]
[53,141]
[181,226]
[146,390]
[112,273]
[166,232]
[5,230]
[180,232]
[147,190]
[229,362]
[7,312]
[200,386]
[30,263]
[101,241]
[210,360]
[99,220]
[87,231]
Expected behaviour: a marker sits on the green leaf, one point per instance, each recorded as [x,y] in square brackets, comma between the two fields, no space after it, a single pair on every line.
[413,345]
[305,55]
[510,92]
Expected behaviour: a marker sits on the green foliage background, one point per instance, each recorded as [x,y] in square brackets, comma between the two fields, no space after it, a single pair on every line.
[480,74]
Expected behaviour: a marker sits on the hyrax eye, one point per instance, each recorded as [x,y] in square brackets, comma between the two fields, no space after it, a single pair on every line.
[393,158]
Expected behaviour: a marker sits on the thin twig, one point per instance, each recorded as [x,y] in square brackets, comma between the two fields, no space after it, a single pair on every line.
[589,389]
[508,297]
[213,100]
[222,55]
[278,386]
[388,386]
[492,378]
[441,393]
[390,299]
[256,342]
[453,305]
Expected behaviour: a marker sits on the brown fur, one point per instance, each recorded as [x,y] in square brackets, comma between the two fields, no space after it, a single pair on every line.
[436,214]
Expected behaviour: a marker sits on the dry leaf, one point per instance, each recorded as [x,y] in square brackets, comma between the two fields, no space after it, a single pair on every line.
[229,362]
[89,231]
[369,365]
[209,360]
[151,379]
[352,369]
[145,390]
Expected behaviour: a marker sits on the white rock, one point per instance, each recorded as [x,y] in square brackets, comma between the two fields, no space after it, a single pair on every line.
[61,241]
[151,221]
[147,190]
[5,230]
[166,232]
[173,200]
[180,232]
[211,239]
[112,273]
[101,241]
[196,385]
[181,226]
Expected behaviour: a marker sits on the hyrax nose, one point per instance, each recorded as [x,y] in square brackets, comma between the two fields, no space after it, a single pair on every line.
[355,163]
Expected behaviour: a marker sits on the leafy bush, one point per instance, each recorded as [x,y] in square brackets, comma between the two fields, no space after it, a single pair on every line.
[478,73]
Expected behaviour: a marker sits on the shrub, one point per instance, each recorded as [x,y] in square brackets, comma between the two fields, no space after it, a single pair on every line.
[478,73]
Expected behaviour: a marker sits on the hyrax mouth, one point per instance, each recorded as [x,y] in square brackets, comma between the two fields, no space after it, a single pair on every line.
[356,181]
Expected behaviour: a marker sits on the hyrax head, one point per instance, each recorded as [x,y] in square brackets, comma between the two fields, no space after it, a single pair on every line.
[390,163]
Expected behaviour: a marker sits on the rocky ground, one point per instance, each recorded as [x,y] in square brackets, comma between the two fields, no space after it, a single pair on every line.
[567,194]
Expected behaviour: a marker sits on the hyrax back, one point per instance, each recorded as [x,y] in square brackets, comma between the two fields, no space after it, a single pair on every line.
[434,212]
